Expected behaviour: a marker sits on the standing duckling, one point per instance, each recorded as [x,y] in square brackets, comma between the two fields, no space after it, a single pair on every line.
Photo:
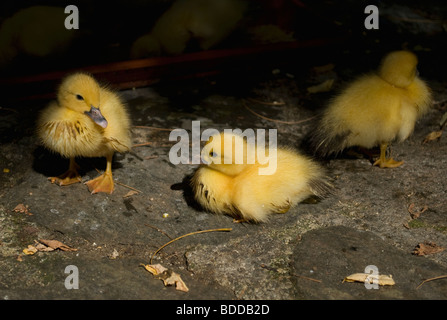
[87,120]
[375,109]
[226,186]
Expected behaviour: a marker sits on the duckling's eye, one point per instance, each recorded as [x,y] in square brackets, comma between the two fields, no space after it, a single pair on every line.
[213,154]
[79,97]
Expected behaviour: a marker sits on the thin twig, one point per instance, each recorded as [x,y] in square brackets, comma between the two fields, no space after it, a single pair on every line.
[431,279]
[274,103]
[307,278]
[142,144]
[9,109]
[159,230]
[151,143]
[153,128]
[125,185]
[185,235]
[274,120]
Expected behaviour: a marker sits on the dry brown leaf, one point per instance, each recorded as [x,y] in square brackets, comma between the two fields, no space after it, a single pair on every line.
[30,250]
[168,276]
[322,87]
[433,136]
[22,209]
[415,214]
[46,246]
[130,193]
[55,244]
[383,280]
[426,248]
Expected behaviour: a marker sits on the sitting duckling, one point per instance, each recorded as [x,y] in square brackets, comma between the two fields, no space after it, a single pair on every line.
[87,120]
[36,31]
[207,22]
[226,186]
[375,110]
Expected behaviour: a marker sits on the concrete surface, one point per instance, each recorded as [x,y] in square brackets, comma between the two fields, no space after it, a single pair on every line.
[303,254]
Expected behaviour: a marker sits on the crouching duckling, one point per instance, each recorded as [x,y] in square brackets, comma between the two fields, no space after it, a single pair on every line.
[86,120]
[243,190]
[375,109]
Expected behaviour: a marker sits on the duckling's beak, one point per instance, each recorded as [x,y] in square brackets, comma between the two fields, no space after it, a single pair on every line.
[97,116]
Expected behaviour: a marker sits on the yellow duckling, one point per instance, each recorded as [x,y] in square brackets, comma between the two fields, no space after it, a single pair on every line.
[375,109]
[207,22]
[225,185]
[87,120]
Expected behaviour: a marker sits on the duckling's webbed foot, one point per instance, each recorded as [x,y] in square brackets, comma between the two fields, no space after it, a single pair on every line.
[383,161]
[66,179]
[388,163]
[103,183]
[69,177]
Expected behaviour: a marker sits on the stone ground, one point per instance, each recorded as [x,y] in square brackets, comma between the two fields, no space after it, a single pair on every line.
[303,254]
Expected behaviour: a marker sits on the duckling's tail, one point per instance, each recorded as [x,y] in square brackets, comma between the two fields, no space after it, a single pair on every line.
[321,187]
[324,142]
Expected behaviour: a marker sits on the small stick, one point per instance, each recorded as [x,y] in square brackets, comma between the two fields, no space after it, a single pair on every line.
[274,103]
[151,143]
[142,144]
[153,128]
[125,185]
[9,109]
[158,229]
[431,279]
[185,235]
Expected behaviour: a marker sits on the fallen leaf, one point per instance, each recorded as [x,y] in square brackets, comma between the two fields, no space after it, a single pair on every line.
[322,87]
[130,193]
[46,246]
[168,276]
[43,248]
[416,214]
[55,244]
[30,250]
[361,277]
[173,278]
[22,209]
[155,269]
[433,136]
[423,249]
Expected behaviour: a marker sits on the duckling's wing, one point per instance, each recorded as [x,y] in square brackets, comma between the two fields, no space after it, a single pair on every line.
[117,145]
[65,132]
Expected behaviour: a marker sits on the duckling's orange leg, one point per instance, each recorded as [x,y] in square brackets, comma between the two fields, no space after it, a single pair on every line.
[69,177]
[383,162]
[103,183]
